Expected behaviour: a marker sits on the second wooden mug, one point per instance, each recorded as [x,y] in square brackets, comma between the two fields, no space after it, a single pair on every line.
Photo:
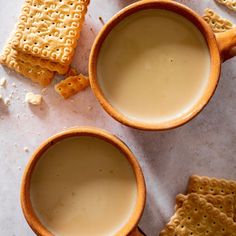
[48,175]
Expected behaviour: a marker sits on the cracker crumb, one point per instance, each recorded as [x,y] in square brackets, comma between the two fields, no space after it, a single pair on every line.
[44,90]
[14,85]
[26,149]
[3,82]
[34,99]
[7,102]
[71,72]
[11,94]
[90,108]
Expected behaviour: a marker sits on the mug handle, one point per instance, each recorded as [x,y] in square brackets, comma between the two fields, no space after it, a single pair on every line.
[137,232]
[227,44]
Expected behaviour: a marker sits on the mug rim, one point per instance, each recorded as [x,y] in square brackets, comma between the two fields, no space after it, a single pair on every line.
[26,205]
[215,60]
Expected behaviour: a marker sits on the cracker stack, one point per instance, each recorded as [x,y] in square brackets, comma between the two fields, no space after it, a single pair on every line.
[209,209]
[45,38]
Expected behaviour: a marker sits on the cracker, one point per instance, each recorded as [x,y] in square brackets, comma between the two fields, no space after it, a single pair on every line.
[206,185]
[217,23]
[71,85]
[231,4]
[198,217]
[52,66]
[50,29]
[224,203]
[12,60]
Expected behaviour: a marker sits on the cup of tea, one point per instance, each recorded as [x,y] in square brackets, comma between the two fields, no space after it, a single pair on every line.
[83,181]
[156,64]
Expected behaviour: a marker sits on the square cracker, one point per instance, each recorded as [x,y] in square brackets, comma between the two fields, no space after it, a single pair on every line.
[206,185]
[197,217]
[52,66]
[231,4]
[49,29]
[217,23]
[12,60]
[224,203]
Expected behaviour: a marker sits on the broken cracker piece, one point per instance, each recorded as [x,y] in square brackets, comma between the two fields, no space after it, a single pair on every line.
[34,99]
[12,60]
[216,22]
[231,4]
[72,85]
[198,217]
[224,203]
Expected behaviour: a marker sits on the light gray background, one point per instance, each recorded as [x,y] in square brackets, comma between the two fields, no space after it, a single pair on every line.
[205,146]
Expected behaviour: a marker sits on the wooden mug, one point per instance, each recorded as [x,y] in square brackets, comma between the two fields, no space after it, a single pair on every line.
[220,48]
[130,228]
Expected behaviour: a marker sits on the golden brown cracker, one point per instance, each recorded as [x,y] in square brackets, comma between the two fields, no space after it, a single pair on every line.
[224,203]
[217,23]
[206,185]
[198,217]
[12,60]
[52,66]
[71,85]
[231,4]
[50,29]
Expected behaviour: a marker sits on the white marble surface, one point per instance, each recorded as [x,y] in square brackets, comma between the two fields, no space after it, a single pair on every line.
[206,145]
